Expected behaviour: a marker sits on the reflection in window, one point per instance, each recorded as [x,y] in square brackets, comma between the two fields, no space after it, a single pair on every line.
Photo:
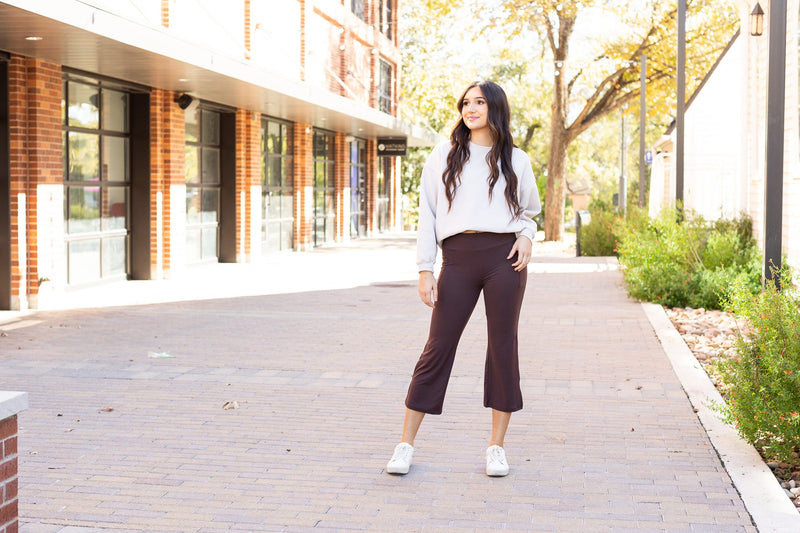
[385,87]
[202,173]
[96,168]
[277,205]
[324,211]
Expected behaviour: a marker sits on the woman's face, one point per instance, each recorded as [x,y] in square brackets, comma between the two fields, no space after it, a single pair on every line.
[475,110]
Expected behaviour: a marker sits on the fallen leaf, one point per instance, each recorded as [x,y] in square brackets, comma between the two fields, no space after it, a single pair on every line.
[233,404]
[106,410]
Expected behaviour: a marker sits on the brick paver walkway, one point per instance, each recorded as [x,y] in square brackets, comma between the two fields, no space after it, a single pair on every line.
[120,440]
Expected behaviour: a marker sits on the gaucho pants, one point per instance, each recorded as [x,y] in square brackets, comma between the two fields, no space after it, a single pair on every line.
[471,263]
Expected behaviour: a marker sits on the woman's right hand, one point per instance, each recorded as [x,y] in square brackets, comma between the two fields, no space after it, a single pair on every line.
[428,291]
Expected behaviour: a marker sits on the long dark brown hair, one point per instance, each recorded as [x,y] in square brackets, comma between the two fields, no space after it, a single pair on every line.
[499,121]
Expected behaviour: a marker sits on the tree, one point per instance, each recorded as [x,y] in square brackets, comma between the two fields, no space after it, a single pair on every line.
[586,89]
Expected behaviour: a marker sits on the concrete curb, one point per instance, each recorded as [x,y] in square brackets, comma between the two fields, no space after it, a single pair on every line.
[770,508]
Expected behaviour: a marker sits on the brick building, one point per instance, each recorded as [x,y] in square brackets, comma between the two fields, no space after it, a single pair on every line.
[138,138]
[726,134]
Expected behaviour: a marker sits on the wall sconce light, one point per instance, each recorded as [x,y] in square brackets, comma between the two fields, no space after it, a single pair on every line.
[187,102]
[757,21]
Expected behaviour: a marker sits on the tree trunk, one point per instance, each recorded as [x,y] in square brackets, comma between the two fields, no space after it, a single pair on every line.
[557,160]
[556,186]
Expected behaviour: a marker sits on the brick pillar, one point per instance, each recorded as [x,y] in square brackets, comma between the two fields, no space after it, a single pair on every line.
[303,186]
[248,183]
[165,13]
[167,182]
[372,187]
[342,183]
[11,403]
[9,509]
[37,191]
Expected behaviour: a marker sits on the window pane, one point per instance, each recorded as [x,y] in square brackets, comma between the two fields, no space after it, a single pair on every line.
[84,261]
[190,164]
[84,209]
[192,128]
[273,238]
[83,110]
[274,208]
[115,158]
[319,203]
[275,171]
[193,245]
[84,156]
[274,138]
[287,209]
[114,208]
[115,111]
[209,245]
[193,205]
[113,256]
[210,165]
[210,205]
[319,174]
[210,127]
[287,236]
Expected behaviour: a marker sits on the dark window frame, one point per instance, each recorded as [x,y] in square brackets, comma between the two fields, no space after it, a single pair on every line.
[204,187]
[286,188]
[385,82]
[324,221]
[136,132]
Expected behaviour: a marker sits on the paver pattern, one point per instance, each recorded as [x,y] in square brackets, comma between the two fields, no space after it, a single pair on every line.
[126,428]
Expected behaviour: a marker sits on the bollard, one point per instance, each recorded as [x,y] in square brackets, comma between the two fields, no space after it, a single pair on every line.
[582,217]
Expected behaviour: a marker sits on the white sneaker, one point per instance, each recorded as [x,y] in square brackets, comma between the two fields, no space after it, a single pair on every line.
[401,460]
[496,464]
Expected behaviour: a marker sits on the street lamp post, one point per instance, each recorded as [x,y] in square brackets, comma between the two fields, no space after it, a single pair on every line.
[776,105]
[642,112]
[681,105]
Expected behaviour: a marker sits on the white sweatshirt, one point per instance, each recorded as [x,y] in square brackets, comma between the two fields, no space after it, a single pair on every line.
[472,209]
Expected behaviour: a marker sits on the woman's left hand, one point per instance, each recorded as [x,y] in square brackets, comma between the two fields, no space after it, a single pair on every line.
[522,247]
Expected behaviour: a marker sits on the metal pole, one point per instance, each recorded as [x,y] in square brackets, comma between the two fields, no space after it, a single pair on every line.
[776,104]
[642,112]
[681,106]
[623,185]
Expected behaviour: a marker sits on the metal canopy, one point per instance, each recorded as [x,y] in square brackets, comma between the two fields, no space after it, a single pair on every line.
[82,37]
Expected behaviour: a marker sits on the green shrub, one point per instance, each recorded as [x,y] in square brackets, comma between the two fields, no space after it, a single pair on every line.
[687,264]
[762,384]
[597,237]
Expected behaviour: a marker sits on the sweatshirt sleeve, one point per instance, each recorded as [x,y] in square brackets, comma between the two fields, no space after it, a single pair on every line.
[426,227]
[529,199]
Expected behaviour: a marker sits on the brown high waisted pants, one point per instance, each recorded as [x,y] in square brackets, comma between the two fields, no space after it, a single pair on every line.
[471,263]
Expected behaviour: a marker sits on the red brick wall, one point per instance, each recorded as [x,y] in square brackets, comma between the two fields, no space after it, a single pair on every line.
[303,181]
[248,174]
[9,509]
[36,154]
[167,142]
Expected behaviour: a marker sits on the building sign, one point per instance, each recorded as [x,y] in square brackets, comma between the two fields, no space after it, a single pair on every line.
[392,147]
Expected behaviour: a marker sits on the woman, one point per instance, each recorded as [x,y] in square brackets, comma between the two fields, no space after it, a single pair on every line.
[477,197]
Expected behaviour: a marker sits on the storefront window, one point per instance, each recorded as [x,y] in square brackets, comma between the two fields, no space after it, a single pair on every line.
[358,188]
[277,186]
[385,87]
[324,188]
[202,176]
[97,179]
[384,179]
